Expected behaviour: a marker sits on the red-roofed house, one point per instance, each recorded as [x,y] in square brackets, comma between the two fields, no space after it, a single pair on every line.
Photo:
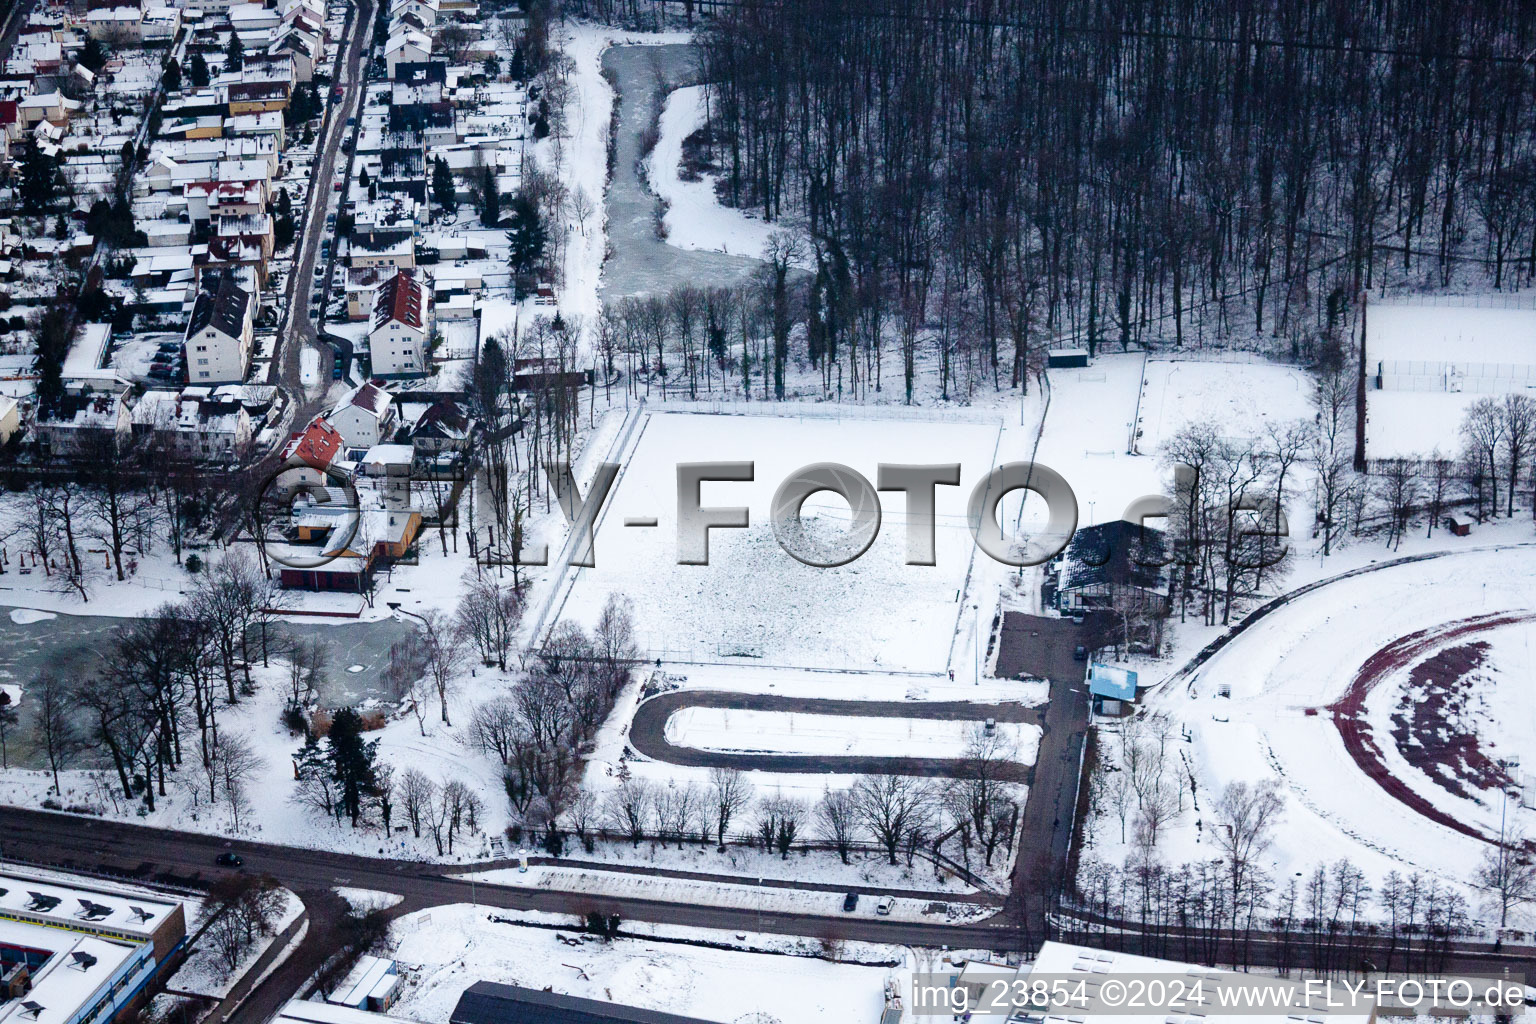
[402,324]
[317,445]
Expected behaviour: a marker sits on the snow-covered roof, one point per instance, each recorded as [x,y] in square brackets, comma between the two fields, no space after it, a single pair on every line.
[43,900]
[79,968]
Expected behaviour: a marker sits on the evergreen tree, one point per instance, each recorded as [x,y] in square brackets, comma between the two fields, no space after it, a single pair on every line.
[351,762]
[39,179]
[443,193]
[53,337]
[528,235]
[197,70]
[172,76]
[234,53]
[490,199]
[93,55]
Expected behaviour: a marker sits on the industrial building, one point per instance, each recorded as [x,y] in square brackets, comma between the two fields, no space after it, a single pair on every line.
[77,951]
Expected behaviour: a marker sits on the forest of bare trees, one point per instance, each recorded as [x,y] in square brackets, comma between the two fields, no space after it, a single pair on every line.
[1148,173]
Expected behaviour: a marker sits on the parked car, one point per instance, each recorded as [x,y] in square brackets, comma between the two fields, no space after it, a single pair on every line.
[229,860]
[1080,653]
[849,902]
[883,908]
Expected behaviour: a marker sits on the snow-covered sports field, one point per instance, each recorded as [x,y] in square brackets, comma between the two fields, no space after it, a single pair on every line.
[756,603]
[1394,709]
[1434,361]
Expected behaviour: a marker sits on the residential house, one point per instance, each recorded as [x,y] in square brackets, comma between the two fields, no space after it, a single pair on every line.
[347,546]
[82,419]
[423,10]
[220,331]
[444,427]
[402,327]
[408,45]
[50,106]
[1108,566]
[193,424]
[386,469]
[10,419]
[365,417]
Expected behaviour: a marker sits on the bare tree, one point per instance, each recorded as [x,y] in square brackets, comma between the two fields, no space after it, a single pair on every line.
[837,821]
[444,650]
[417,794]
[1245,821]
[1507,873]
[238,767]
[1331,457]
[56,727]
[891,806]
[730,793]
[1397,487]
[1519,413]
[1482,428]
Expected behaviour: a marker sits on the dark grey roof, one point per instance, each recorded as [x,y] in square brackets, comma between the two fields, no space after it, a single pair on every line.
[221,303]
[486,1002]
[419,72]
[1120,552]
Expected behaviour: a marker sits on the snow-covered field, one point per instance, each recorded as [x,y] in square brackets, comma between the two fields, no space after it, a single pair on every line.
[1286,672]
[1243,397]
[1438,359]
[754,601]
[779,732]
[444,951]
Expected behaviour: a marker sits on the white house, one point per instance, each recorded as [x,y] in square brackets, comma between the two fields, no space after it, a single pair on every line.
[365,417]
[407,47]
[193,424]
[402,325]
[10,418]
[426,10]
[220,332]
[82,418]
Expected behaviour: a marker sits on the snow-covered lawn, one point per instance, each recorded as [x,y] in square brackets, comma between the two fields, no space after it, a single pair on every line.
[206,973]
[754,600]
[363,901]
[695,219]
[1242,397]
[276,815]
[865,868]
[444,951]
[779,732]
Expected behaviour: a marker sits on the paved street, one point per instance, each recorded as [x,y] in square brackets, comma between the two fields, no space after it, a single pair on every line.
[297,328]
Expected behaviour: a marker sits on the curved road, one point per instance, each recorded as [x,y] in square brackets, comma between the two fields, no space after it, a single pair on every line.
[648,734]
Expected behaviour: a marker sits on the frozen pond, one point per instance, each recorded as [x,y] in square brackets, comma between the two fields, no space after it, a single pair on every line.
[640,262]
[69,645]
